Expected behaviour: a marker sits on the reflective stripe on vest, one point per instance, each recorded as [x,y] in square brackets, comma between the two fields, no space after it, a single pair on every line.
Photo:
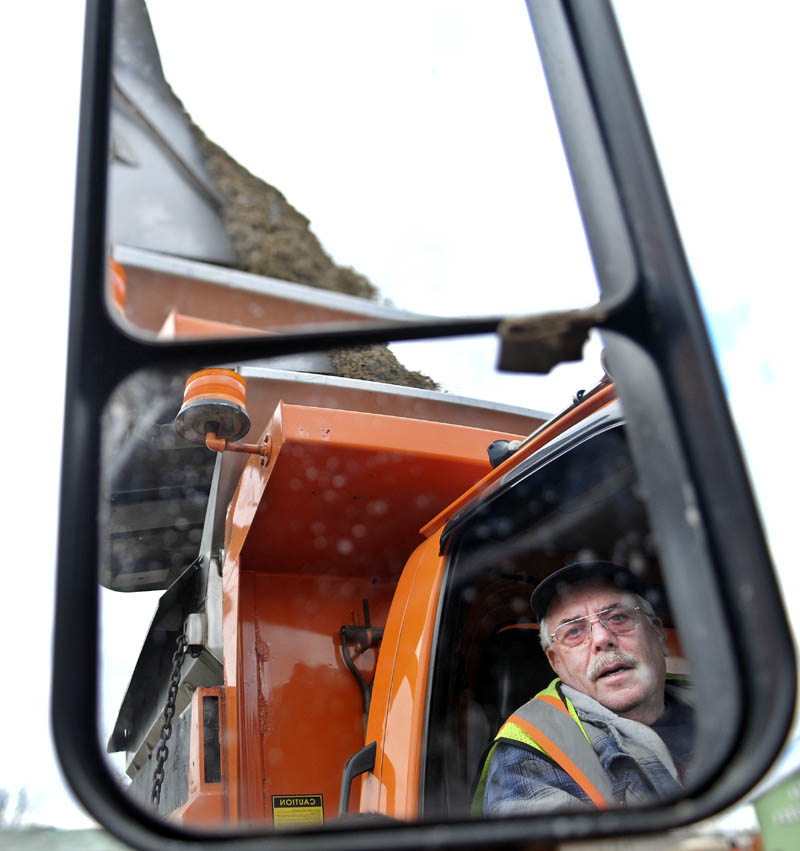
[574,753]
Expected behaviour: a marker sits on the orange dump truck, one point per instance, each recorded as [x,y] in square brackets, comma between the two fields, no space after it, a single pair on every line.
[357,619]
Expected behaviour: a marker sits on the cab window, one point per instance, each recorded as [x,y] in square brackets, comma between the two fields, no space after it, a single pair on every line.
[577,500]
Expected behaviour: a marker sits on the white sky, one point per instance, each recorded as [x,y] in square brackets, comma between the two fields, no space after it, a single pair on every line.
[718,80]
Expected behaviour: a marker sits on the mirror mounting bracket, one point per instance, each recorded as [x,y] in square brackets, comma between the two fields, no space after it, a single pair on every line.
[536,344]
[540,342]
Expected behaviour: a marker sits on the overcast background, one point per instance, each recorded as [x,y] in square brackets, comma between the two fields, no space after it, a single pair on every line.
[719,85]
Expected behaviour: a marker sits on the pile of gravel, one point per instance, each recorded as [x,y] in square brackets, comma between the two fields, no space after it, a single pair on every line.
[271,238]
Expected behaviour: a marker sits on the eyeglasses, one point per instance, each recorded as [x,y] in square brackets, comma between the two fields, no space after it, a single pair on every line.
[617,620]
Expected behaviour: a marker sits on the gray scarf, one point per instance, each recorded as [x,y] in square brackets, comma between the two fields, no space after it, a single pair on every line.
[617,741]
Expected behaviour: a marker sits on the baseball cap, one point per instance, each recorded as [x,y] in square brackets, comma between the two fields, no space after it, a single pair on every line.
[581,571]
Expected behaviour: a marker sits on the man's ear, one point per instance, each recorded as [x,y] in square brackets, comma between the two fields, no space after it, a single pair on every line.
[552,658]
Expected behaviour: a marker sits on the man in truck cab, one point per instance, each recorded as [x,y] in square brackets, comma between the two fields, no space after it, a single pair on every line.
[613,729]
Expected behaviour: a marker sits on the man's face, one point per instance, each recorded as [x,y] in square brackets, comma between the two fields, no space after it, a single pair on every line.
[625,673]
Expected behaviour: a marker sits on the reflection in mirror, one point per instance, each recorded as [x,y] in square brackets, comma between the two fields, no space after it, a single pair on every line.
[419,145]
[331,608]
[316,570]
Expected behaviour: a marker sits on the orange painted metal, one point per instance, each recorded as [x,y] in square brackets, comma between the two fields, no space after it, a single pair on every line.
[673,643]
[118,284]
[349,491]
[207,802]
[230,753]
[152,295]
[677,663]
[326,522]
[593,403]
[236,608]
[302,710]
[396,718]
[180,326]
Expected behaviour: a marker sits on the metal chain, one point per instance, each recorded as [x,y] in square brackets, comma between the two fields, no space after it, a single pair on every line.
[162,751]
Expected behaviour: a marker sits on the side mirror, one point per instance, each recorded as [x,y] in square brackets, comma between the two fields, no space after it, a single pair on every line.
[678,476]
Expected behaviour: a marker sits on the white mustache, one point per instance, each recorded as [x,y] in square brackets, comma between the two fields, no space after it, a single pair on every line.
[613,657]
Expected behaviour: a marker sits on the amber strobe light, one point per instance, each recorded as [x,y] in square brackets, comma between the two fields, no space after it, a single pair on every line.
[214,412]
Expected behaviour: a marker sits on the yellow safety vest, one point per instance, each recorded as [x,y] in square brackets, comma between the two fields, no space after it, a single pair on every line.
[550,710]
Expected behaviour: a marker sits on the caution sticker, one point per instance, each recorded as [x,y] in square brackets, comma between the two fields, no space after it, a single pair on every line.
[296,810]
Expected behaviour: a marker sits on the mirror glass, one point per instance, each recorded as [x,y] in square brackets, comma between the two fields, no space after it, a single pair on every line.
[320,610]
[363,579]
[312,163]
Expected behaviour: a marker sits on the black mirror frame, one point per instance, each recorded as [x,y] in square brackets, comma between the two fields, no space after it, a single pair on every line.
[666,376]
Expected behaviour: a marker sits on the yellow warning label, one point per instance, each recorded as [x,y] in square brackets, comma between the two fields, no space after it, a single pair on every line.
[296,810]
